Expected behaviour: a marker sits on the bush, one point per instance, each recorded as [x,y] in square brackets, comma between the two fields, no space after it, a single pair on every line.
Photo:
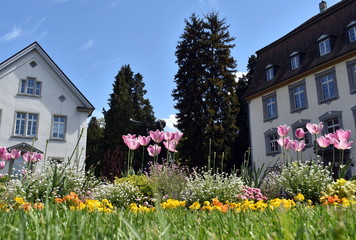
[308,178]
[342,188]
[120,194]
[139,181]
[204,186]
[168,179]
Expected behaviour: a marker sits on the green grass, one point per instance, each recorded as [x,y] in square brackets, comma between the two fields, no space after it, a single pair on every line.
[319,222]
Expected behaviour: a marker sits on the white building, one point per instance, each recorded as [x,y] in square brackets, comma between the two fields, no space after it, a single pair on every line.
[38,103]
[308,75]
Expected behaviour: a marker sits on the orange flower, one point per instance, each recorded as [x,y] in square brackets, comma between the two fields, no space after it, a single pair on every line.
[58,200]
[38,206]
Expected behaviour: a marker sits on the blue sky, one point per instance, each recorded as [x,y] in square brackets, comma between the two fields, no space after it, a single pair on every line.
[91,39]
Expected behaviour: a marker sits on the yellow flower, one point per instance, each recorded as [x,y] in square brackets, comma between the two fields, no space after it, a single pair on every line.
[195,206]
[19,200]
[299,197]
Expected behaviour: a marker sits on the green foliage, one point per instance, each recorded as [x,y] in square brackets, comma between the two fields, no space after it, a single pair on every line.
[309,178]
[342,188]
[168,179]
[205,94]
[139,181]
[93,146]
[119,194]
[204,185]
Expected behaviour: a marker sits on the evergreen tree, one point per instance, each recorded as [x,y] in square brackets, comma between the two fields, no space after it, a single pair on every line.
[94,139]
[242,141]
[127,102]
[206,89]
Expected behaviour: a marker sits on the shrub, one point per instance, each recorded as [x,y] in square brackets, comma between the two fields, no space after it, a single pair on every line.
[342,188]
[204,186]
[139,181]
[168,179]
[120,194]
[308,178]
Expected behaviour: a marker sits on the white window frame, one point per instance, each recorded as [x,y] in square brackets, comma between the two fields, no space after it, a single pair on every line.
[352,34]
[324,47]
[331,116]
[326,78]
[351,71]
[295,62]
[293,96]
[56,127]
[270,107]
[271,137]
[269,73]
[28,89]
[28,123]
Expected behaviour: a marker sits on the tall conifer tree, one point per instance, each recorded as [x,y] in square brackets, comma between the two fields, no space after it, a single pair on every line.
[206,89]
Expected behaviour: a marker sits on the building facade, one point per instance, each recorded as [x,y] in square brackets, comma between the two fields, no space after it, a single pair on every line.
[308,75]
[41,109]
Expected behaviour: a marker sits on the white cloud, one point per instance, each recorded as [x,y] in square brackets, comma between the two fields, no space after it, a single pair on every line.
[14,33]
[87,45]
[170,122]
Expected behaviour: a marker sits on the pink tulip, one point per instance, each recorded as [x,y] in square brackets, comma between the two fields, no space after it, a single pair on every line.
[157,136]
[171,146]
[333,137]
[144,140]
[27,157]
[128,136]
[15,154]
[37,157]
[314,128]
[342,134]
[32,157]
[154,150]
[168,136]
[2,164]
[6,156]
[283,130]
[343,144]
[177,136]
[299,133]
[284,142]
[2,151]
[296,145]
[323,142]
[133,143]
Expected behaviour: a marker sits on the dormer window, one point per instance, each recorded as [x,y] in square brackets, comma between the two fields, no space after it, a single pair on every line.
[269,72]
[352,31]
[295,60]
[30,86]
[325,44]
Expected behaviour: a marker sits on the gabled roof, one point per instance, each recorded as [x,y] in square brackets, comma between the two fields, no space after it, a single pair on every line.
[332,23]
[87,106]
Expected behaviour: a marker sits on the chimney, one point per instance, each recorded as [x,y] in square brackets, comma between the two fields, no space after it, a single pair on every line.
[323,6]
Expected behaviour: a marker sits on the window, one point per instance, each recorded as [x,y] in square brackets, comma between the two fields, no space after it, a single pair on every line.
[58,128]
[271,138]
[270,107]
[326,85]
[298,96]
[352,31]
[26,124]
[324,47]
[30,86]
[353,109]
[351,70]
[332,121]
[269,72]
[295,60]
[302,124]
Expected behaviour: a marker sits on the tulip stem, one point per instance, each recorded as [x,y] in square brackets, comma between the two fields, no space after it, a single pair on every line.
[143,157]
[11,164]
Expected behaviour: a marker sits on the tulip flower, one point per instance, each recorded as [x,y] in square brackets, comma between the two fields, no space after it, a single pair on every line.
[6,156]
[283,130]
[177,136]
[342,134]
[284,142]
[15,154]
[144,141]
[133,144]
[168,136]
[343,144]
[171,145]
[296,145]
[2,151]
[315,128]
[154,150]
[128,136]
[323,142]
[157,136]
[299,133]
[2,164]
